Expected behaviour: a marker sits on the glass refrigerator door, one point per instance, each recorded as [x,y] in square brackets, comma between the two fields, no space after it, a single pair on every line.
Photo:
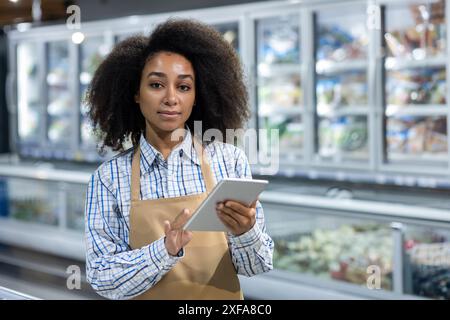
[60,126]
[279,90]
[30,109]
[230,32]
[92,52]
[416,83]
[341,84]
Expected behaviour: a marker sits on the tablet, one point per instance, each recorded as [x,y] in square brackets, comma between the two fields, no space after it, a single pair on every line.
[244,191]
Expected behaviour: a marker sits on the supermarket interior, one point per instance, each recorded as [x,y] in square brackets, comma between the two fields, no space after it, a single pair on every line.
[358,205]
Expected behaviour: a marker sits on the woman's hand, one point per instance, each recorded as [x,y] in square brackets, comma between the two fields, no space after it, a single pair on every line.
[176,237]
[237,217]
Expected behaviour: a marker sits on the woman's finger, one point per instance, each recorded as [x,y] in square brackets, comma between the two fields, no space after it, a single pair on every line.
[181,219]
[227,220]
[240,219]
[239,208]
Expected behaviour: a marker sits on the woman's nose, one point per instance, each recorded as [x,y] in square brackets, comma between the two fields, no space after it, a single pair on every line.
[170,98]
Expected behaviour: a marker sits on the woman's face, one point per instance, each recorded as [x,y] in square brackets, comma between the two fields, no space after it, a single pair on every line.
[167,92]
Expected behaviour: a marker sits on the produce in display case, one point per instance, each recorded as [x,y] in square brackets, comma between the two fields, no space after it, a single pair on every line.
[419,86]
[428,253]
[76,196]
[33,201]
[416,136]
[344,136]
[59,108]
[30,113]
[343,90]
[342,254]
[416,31]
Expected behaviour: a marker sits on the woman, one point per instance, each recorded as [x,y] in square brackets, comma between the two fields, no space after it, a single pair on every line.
[147,89]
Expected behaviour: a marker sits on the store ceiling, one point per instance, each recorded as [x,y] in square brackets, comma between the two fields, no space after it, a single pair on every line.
[17,11]
[12,12]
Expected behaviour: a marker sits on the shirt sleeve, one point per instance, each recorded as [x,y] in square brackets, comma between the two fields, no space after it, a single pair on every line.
[252,251]
[112,268]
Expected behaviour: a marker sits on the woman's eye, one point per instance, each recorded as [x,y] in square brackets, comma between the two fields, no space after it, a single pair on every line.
[155,85]
[184,88]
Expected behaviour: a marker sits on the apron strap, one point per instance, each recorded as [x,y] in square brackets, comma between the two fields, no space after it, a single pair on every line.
[136,174]
[136,170]
[204,165]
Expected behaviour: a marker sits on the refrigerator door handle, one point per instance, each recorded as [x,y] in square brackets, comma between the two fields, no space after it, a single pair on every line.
[10,104]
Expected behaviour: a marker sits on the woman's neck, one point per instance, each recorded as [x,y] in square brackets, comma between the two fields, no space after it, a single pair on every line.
[163,141]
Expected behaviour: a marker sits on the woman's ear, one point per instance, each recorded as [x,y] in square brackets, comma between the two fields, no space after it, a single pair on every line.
[136,98]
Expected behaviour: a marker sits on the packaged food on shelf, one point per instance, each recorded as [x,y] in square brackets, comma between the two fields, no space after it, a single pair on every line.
[343,135]
[278,40]
[59,104]
[342,254]
[59,130]
[416,86]
[347,89]
[415,135]
[428,264]
[278,93]
[290,131]
[416,31]
[337,44]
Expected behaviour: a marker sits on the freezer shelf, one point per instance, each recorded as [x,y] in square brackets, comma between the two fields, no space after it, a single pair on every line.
[279,86]
[59,104]
[31,201]
[341,87]
[30,113]
[330,248]
[92,52]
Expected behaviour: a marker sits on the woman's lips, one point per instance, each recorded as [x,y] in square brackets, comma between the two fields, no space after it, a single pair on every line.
[169,115]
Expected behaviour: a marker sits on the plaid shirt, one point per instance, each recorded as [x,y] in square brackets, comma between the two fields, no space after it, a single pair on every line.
[115,270]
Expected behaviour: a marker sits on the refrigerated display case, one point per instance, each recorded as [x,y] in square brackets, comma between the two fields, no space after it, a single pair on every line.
[59,105]
[92,51]
[342,94]
[416,110]
[230,32]
[30,114]
[279,95]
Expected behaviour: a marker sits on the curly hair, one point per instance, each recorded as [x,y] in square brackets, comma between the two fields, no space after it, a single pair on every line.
[221,95]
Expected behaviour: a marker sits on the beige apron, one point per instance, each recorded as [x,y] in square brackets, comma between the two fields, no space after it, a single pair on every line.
[206,270]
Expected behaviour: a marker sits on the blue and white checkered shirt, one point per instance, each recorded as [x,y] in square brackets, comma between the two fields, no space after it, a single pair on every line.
[115,270]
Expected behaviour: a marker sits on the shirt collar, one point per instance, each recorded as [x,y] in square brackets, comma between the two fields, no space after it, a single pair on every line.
[149,153]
